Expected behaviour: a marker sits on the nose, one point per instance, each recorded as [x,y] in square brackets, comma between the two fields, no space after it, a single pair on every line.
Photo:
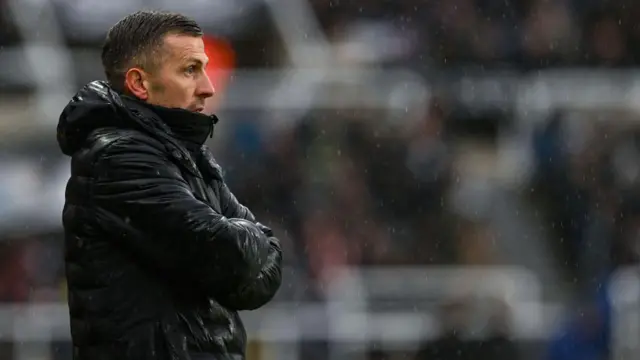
[205,87]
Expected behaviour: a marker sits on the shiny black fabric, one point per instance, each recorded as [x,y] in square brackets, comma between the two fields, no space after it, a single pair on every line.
[160,256]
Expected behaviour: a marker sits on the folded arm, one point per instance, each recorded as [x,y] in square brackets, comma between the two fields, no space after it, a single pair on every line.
[259,290]
[169,227]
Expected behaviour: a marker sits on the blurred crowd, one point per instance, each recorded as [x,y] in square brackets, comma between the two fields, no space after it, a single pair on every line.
[528,34]
[350,193]
[525,34]
[344,189]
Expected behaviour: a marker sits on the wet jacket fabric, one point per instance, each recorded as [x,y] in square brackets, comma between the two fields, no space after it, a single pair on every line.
[160,256]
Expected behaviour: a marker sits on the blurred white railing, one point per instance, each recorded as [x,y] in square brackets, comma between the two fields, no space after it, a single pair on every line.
[346,316]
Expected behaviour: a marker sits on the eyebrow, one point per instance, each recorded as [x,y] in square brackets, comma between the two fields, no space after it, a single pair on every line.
[198,61]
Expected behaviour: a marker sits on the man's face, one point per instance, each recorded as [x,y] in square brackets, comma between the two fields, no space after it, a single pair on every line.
[179,79]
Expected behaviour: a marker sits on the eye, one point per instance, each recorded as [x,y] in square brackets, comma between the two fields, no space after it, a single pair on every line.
[190,70]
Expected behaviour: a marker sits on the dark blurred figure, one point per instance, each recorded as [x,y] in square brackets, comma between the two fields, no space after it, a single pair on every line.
[14,282]
[450,344]
[497,345]
[586,183]
[586,336]
[377,354]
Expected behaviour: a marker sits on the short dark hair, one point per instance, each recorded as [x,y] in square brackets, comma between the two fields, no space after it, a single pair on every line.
[133,40]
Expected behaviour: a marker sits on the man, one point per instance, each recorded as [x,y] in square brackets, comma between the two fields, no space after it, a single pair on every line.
[160,256]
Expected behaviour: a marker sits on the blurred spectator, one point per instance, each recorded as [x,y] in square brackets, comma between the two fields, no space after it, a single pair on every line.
[498,345]
[454,342]
[451,343]
[587,183]
[587,335]
[14,284]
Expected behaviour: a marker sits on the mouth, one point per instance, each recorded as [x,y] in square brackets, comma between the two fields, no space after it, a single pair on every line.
[199,109]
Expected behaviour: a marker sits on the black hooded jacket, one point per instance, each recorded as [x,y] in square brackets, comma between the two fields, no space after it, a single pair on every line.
[160,256]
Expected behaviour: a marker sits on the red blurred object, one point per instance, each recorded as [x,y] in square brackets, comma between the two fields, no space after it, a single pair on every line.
[222,60]
[14,279]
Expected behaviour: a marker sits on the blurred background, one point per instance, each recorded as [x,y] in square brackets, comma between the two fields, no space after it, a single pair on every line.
[451,179]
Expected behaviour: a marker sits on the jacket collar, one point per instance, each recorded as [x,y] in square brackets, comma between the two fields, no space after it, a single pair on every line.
[97,105]
[185,125]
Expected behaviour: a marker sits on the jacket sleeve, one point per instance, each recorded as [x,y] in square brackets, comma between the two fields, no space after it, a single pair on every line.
[165,225]
[257,291]
[231,207]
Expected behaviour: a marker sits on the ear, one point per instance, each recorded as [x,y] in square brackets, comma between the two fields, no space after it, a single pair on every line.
[135,82]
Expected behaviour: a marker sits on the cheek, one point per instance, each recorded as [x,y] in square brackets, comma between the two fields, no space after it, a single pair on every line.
[184,85]
[178,91]
[156,89]
[175,90]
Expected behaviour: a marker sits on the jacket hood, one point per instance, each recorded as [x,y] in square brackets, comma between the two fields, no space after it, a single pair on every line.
[97,106]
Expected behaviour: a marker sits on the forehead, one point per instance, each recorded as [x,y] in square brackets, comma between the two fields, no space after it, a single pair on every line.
[184,47]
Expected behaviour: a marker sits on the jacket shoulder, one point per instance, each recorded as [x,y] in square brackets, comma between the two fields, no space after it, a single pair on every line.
[101,140]
[104,138]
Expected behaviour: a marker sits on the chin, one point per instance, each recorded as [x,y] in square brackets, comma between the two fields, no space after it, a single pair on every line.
[210,107]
